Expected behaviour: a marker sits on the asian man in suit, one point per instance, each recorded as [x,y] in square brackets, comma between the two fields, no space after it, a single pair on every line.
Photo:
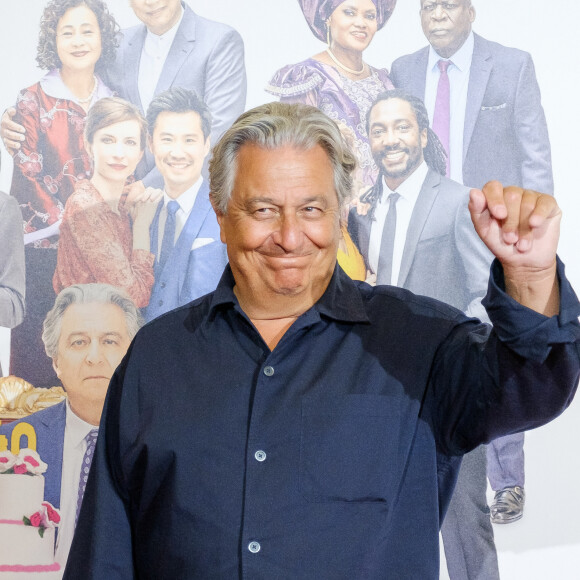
[86,333]
[184,234]
[496,130]
[418,235]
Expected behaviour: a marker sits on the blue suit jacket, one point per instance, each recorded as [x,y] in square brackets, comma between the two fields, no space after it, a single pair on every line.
[206,56]
[505,136]
[49,425]
[188,273]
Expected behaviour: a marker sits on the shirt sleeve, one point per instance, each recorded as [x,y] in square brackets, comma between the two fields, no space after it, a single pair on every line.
[12,285]
[532,131]
[521,374]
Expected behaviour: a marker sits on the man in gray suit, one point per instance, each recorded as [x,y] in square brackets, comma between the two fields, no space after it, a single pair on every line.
[173,47]
[497,131]
[432,249]
[497,119]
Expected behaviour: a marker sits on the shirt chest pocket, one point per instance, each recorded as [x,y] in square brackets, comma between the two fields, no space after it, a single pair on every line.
[349,449]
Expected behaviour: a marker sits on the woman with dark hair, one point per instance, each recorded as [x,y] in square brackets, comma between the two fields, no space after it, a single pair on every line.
[77,37]
[342,85]
[101,240]
[337,80]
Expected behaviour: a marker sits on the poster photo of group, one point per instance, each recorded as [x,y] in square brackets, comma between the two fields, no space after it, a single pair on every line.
[287,289]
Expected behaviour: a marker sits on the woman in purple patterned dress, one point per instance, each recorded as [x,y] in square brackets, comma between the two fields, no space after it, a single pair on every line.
[342,85]
[337,80]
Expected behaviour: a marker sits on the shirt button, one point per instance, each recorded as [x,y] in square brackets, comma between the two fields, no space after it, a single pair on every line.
[269,371]
[254,547]
[161,303]
[163,284]
[260,455]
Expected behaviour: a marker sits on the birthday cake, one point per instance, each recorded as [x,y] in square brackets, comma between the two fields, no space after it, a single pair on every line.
[27,523]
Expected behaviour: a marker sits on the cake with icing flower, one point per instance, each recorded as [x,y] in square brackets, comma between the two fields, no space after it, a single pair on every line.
[27,522]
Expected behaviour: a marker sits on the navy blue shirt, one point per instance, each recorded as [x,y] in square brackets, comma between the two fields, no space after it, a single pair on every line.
[332,456]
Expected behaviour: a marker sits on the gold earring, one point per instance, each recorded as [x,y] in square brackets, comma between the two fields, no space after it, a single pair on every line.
[328,32]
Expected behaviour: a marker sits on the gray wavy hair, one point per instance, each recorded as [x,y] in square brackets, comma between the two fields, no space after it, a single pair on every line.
[276,125]
[86,294]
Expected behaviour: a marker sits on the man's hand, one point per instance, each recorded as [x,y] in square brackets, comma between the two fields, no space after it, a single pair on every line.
[521,227]
[12,133]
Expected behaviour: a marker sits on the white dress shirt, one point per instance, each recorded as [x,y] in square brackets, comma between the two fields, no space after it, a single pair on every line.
[73,452]
[409,191]
[153,57]
[186,202]
[458,73]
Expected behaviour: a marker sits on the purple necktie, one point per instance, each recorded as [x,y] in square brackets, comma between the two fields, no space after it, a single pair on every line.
[91,440]
[442,115]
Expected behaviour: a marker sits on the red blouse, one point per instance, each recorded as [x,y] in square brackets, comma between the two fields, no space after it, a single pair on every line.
[52,157]
[96,245]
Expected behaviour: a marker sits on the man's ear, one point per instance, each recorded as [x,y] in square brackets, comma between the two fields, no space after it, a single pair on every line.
[55,367]
[220,217]
[424,138]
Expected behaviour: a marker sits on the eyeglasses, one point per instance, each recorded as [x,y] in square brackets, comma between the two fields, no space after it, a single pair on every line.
[448,7]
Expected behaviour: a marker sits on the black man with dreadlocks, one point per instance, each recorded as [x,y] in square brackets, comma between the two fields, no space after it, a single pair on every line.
[418,235]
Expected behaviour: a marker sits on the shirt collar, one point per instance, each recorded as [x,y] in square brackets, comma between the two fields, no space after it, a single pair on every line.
[341,301]
[410,188]
[53,85]
[461,59]
[156,43]
[187,199]
[77,429]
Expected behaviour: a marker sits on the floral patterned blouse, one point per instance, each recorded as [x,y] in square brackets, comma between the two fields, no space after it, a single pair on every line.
[52,158]
[96,245]
[345,101]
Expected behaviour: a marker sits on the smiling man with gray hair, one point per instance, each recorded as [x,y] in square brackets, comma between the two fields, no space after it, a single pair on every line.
[311,426]
[86,334]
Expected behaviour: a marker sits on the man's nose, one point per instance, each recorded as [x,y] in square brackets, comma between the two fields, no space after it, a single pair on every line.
[94,353]
[390,138]
[290,232]
[439,13]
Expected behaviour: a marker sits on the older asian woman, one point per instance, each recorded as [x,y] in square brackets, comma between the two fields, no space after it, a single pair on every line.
[102,240]
[341,84]
[76,38]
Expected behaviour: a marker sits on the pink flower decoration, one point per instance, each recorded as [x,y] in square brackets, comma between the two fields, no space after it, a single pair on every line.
[31,462]
[52,513]
[7,461]
[36,519]
[20,468]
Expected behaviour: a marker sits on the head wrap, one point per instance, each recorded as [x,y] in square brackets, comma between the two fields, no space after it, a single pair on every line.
[317,12]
